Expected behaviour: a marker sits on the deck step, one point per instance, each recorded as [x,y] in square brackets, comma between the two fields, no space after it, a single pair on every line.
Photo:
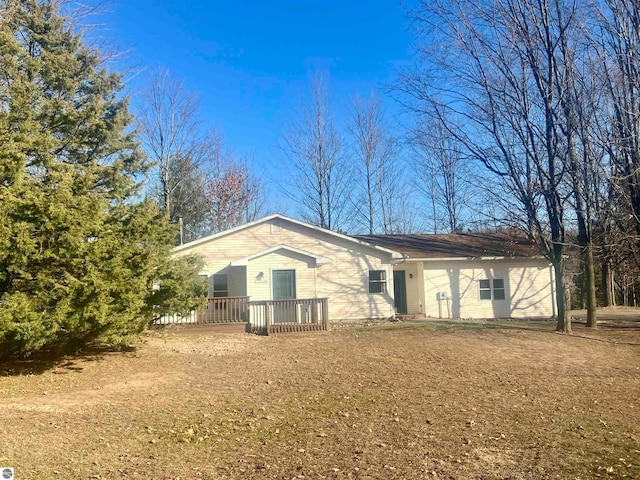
[410,316]
[234,327]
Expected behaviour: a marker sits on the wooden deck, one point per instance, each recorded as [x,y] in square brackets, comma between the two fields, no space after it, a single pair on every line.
[285,316]
[263,317]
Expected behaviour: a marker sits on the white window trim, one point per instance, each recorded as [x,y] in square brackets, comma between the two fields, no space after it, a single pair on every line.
[492,288]
[213,290]
[382,282]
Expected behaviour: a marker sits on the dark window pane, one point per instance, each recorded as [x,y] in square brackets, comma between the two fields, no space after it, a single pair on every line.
[485,294]
[377,281]
[498,283]
[220,286]
[284,284]
[220,282]
[485,289]
[376,275]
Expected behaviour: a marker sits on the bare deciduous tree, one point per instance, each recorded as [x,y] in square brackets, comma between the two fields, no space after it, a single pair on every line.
[233,194]
[228,197]
[443,175]
[377,155]
[496,83]
[313,148]
[619,49]
[197,178]
[170,127]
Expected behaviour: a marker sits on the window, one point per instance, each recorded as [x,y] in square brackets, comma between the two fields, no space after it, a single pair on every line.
[284,284]
[485,289]
[498,289]
[220,285]
[377,281]
[492,289]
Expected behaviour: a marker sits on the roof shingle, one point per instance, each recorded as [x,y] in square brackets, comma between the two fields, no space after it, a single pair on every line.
[463,245]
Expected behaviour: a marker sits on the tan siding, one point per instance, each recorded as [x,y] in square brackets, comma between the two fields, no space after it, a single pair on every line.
[348,287]
[527,287]
[415,290]
[344,280]
[260,286]
[420,280]
[531,291]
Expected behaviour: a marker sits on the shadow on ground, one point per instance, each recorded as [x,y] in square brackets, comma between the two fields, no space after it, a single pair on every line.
[44,362]
[626,321]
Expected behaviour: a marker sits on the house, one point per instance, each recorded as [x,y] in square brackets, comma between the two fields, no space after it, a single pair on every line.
[293,272]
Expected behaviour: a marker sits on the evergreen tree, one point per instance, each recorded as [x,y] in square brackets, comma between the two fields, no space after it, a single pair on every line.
[81,258]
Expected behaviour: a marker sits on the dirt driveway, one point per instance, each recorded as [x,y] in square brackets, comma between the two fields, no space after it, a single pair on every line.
[455,400]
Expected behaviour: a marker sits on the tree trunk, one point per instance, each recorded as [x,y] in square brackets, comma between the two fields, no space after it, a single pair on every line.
[371,205]
[562,296]
[586,251]
[612,281]
[589,283]
[606,284]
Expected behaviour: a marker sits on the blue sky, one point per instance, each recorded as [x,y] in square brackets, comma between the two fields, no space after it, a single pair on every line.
[251,60]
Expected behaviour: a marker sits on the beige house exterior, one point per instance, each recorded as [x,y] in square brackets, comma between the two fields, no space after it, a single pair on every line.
[450,276]
[277,258]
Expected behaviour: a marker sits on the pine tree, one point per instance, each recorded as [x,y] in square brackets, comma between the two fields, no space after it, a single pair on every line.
[80,255]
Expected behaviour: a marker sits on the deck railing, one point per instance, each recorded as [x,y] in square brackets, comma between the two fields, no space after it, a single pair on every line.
[265,317]
[174,319]
[298,315]
[224,310]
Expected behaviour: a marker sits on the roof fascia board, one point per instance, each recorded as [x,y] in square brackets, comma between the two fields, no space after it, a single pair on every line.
[484,259]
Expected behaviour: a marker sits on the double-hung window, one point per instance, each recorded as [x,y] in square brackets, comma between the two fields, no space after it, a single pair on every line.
[377,281]
[491,289]
[220,286]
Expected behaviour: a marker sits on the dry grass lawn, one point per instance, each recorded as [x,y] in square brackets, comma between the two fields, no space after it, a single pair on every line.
[417,400]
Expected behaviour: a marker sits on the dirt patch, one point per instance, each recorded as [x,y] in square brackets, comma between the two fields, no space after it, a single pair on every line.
[455,400]
[205,344]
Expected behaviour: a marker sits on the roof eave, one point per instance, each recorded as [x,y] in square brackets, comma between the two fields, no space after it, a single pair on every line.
[468,258]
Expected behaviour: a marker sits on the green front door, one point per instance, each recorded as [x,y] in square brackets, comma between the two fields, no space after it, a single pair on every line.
[284,284]
[400,291]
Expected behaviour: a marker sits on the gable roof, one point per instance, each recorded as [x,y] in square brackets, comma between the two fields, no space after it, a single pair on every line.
[464,245]
[320,259]
[200,241]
